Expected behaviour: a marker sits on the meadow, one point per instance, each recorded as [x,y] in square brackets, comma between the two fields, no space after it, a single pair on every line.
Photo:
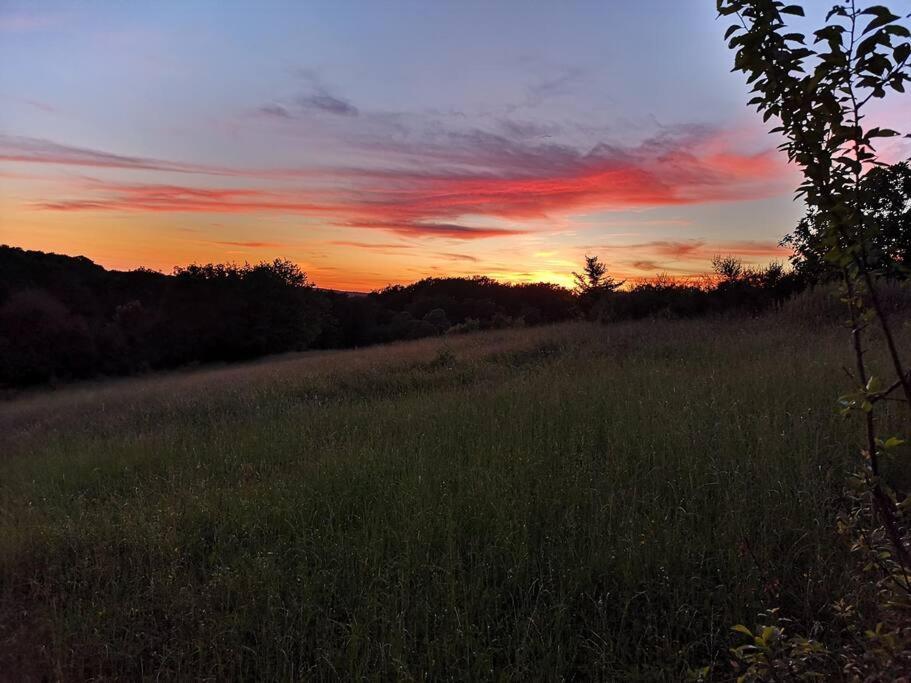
[569,501]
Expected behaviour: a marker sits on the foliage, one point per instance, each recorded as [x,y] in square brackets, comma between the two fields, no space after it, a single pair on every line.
[593,284]
[63,317]
[47,338]
[886,206]
[594,277]
[228,312]
[479,298]
[735,288]
[869,638]
[817,92]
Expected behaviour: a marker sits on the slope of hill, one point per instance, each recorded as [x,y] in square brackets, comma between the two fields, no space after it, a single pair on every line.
[574,500]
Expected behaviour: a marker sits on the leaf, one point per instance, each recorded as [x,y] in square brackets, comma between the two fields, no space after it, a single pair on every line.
[740,628]
[796,10]
[893,442]
[869,44]
[902,52]
[881,20]
[882,133]
[878,10]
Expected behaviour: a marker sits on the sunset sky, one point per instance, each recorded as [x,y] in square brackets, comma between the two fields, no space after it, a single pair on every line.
[381,142]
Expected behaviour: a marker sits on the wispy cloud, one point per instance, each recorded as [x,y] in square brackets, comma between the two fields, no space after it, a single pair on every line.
[525,130]
[317,97]
[457,257]
[560,81]
[436,183]
[178,199]
[41,106]
[40,151]
[369,245]
[252,245]
[344,213]
[331,104]
[418,228]
[276,110]
[558,84]
[687,256]
[650,266]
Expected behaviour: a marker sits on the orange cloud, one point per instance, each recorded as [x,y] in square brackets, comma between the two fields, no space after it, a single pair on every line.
[252,245]
[457,257]
[684,250]
[368,245]
[685,258]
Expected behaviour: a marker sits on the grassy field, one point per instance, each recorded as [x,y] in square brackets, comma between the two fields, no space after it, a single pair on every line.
[572,501]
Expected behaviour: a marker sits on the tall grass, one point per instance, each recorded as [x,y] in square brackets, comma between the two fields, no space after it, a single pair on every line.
[588,501]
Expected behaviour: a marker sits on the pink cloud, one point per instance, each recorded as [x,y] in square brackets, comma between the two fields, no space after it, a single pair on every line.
[512,181]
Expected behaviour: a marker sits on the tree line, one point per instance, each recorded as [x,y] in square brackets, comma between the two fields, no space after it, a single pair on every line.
[65,317]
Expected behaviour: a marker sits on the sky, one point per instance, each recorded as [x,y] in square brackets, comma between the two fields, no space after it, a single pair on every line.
[383,142]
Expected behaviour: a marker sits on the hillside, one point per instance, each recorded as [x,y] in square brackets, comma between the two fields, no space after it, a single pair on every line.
[573,500]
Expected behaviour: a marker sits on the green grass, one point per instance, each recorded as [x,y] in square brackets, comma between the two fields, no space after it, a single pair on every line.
[574,501]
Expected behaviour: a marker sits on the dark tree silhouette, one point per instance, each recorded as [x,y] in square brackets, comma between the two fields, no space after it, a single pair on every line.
[594,277]
[593,285]
[65,318]
[885,198]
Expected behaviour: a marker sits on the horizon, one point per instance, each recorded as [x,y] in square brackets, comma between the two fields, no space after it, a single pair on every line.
[376,146]
[698,280]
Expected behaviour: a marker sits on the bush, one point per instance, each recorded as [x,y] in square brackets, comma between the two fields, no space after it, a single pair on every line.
[41,340]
